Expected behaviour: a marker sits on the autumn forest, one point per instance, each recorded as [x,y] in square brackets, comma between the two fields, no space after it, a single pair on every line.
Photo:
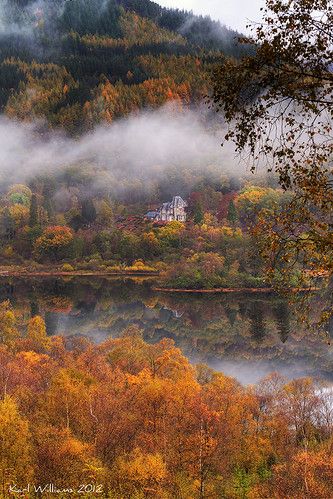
[138,256]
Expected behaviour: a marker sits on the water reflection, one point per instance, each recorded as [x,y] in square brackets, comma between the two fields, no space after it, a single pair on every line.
[246,336]
[281,311]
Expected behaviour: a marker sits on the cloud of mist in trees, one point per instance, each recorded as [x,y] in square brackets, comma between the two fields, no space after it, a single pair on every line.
[250,372]
[21,20]
[142,147]
[214,30]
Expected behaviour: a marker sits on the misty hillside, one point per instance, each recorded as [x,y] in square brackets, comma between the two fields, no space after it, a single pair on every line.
[77,63]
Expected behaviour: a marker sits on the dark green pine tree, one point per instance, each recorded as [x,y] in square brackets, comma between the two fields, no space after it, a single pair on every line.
[88,211]
[33,216]
[8,225]
[232,215]
[47,205]
[198,213]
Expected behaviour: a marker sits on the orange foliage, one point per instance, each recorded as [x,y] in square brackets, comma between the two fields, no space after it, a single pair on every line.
[141,421]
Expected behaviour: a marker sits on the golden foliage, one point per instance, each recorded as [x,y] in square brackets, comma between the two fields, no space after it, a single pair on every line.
[143,422]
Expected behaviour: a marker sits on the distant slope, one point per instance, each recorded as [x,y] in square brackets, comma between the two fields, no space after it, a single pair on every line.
[77,63]
[200,31]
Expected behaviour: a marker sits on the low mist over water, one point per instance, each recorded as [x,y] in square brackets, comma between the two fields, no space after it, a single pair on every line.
[245,336]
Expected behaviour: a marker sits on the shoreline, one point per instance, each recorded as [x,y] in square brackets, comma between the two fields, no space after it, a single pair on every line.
[25,274]
[232,290]
[78,273]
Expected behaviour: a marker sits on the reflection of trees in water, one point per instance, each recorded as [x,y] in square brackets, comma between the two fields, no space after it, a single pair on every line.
[231,313]
[51,322]
[282,316]
[34,308]
[158,334]
[204,327]
[329,329]
[98,303]
[243,309]
[7,290]
[200,310]
[256,314]
[165,315]
[86,307]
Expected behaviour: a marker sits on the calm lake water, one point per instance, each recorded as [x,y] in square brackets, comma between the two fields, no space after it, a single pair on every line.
[245,336]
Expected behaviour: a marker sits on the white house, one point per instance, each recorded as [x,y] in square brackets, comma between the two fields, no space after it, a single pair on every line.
[169,212]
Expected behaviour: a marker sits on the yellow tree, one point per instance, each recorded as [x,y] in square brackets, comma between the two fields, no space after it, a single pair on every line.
[65,459]
[140,473]
[8,330]
[37,333]
[15,448]
[54,242]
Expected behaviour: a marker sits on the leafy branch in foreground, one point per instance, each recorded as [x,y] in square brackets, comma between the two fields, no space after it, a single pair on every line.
[279,108]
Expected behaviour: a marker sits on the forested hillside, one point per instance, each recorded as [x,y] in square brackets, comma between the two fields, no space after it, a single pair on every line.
[73,65]
[82,62]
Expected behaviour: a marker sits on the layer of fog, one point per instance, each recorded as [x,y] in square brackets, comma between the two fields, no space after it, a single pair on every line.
[213,30]
[22,20]
[251,372]
[142,147]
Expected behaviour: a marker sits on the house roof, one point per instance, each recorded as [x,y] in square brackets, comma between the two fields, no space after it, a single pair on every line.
[151,214]
[177,202]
